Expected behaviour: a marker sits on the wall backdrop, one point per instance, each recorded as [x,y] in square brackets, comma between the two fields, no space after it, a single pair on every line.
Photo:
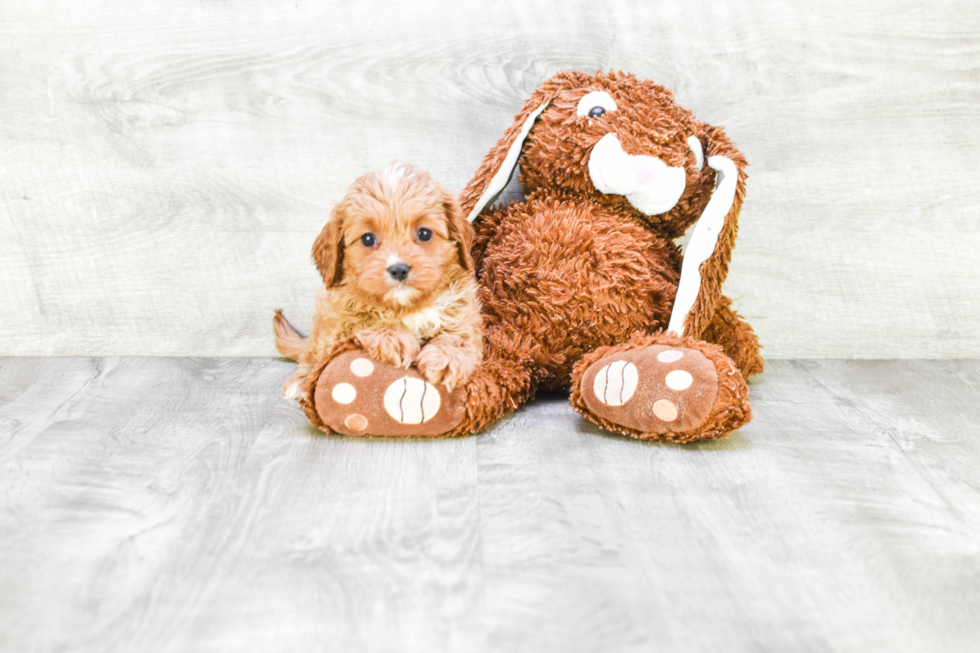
[165,166]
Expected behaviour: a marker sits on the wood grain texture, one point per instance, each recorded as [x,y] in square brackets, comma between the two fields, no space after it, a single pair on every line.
[151,504]
[165,167]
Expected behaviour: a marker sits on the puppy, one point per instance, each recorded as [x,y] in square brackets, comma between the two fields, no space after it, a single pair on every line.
[398,276]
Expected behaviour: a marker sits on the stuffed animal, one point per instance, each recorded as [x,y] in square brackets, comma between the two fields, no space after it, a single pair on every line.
[582,287]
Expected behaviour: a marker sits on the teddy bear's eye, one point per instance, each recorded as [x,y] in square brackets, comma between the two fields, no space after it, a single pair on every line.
[424,234]
[595,104]
[368,240]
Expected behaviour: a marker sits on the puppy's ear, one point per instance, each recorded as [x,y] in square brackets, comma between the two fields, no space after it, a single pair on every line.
[328,249]
[499,164]
[709,250]
[460,230]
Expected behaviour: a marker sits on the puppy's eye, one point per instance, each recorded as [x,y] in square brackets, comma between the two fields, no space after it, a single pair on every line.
[424,234]
[595,105]
[368,240]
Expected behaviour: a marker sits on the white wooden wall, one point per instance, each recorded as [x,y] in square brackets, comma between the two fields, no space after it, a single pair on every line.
[165,166]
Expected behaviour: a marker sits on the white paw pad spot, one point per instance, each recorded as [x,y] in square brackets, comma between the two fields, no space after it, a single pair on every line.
[356,422]
[669,356]
[411,401]
[665,410]
[343,393]
[679,380]
[362,367]
[615,383]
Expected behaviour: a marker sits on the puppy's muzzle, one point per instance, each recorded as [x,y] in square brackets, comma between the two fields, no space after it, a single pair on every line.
[399,271]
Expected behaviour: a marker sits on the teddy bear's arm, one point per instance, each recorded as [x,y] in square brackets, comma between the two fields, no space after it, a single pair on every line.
[485,228]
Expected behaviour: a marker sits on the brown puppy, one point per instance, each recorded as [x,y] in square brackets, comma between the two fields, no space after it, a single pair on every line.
[395,261]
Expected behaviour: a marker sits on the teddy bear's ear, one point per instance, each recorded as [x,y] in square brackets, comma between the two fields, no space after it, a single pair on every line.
[709,250]
[499,164]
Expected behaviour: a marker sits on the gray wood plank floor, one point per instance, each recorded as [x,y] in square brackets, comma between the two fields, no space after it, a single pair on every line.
[152,504]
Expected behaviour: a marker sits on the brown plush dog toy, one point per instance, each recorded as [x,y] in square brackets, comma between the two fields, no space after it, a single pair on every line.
[582,286]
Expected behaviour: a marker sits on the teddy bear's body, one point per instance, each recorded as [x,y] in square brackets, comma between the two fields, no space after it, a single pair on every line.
[574,275]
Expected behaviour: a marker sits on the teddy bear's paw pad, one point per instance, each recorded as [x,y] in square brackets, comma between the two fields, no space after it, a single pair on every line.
[411,400]
[615,383]
[656,390]
[358,396]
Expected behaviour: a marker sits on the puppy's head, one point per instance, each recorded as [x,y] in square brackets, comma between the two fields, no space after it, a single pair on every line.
[394,239]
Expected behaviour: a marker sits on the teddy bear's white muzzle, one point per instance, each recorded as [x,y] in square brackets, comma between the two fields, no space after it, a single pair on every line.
[649,184]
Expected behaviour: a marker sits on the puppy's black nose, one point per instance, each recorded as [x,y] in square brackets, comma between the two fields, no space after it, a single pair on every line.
[398,271]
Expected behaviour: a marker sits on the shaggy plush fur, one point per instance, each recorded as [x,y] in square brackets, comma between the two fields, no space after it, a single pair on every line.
[570,270]
[430,318]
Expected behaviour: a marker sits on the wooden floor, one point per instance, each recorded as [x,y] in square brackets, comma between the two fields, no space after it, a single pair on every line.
[152,504]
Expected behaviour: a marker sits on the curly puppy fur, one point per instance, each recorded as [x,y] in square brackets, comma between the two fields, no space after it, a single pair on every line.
[570,271]
[398,216]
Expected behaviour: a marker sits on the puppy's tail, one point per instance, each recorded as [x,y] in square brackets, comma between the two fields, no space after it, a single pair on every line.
[289,343]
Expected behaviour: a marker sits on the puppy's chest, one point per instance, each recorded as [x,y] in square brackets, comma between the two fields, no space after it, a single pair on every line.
[424,324]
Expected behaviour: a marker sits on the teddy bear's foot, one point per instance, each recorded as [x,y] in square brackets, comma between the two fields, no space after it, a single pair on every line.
[662,388]
[354,395]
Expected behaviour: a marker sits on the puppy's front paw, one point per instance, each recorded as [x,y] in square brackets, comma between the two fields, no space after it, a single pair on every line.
[395,346]
[451,364]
